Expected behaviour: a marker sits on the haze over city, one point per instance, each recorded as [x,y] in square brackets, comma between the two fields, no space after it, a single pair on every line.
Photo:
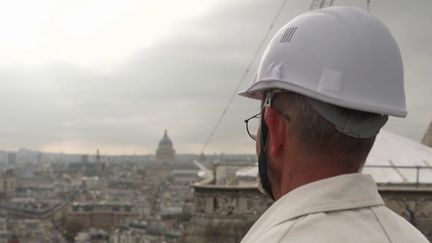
[76,76]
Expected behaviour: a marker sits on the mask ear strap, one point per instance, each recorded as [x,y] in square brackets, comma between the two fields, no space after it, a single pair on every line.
[262,158]
[268,99]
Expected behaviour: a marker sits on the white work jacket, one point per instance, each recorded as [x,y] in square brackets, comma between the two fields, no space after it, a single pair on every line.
[341,209]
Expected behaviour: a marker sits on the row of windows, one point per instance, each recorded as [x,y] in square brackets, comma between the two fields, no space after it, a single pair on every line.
[11,185]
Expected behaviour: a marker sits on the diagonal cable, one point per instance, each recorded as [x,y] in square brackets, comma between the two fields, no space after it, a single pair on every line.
[255,55]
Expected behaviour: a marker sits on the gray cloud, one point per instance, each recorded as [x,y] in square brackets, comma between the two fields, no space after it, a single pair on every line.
[183,82]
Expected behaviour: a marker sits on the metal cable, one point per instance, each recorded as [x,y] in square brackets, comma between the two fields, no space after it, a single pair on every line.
[260,46]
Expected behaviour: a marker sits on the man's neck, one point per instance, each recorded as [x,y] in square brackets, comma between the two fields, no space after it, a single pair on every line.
[304,171]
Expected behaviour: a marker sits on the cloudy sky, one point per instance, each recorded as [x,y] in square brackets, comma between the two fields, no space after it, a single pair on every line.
[76,76]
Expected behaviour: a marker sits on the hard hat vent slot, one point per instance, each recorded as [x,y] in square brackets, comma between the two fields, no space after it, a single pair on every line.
[289,33]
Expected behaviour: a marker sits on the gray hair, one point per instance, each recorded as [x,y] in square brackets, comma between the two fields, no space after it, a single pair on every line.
[316,134]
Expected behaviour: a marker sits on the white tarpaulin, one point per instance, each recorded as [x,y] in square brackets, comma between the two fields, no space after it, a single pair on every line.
[398,152]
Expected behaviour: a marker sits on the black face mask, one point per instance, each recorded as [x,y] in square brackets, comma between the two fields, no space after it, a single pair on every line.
[262,158]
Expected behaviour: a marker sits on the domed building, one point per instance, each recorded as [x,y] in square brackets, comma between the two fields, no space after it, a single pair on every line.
[165,151]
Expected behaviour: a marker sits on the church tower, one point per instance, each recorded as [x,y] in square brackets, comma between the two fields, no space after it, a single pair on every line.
[165,151]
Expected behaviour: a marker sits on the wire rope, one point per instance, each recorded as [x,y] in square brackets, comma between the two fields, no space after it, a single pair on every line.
[243,78]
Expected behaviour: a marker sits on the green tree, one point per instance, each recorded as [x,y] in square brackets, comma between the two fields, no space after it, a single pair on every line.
[72,228]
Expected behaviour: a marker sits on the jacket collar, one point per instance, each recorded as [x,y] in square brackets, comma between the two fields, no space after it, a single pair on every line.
[332,194]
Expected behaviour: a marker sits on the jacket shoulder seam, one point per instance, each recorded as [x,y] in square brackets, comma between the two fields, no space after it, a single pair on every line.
[380,224]
[289,229]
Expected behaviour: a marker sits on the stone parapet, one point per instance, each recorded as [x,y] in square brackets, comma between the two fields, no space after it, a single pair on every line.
[414,203]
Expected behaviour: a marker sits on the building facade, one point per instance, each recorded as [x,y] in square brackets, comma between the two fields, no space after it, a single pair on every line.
[7,184]
[101,214]
[224,206]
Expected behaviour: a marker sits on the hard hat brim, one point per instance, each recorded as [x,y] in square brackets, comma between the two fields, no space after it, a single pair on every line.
[255,91]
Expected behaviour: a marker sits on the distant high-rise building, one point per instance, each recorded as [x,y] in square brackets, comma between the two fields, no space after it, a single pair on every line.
[165,151]
[40,158]
[84,164]
[11,158]
[98,163]
[7,184]
[84,158]
[427,139]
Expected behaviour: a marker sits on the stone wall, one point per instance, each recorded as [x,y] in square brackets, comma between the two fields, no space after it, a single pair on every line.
[225,214]
[411,202]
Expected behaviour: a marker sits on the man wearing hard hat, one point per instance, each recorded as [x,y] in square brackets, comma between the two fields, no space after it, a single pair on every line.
[327,82]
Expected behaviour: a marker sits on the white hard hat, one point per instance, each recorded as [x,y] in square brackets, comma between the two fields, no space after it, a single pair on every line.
[338,55]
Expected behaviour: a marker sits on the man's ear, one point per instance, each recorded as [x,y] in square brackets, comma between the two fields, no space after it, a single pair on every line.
[276,124]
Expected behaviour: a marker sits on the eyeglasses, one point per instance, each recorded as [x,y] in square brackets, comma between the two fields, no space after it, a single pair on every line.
[253,123]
